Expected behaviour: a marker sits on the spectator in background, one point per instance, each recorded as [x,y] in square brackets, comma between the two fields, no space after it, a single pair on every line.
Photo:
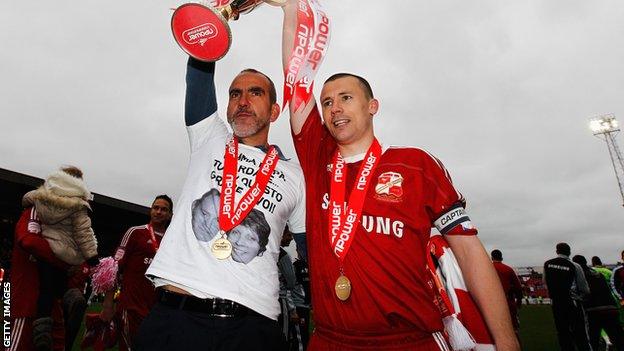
[601,307]
[134,254]
[28,248]
[617,279]
[289,319]
[303,306]
[61,216]
[511,287]
[600,268]
[567,288]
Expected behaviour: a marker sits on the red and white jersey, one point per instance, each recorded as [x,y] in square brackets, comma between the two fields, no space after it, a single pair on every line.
[29,246]
[135,254]
[392,291]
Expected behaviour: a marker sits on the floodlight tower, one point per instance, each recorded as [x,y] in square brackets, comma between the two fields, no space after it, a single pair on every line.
[606,127]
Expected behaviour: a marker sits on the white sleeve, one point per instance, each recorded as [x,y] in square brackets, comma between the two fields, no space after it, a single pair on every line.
[296,221]
[205,130]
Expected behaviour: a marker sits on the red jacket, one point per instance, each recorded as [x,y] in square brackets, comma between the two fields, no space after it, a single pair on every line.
[28,247]
[511,286]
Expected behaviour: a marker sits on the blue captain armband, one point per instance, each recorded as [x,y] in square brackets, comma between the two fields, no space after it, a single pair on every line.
[455,216]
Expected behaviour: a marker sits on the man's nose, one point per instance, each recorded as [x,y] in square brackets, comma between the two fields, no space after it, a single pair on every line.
[243,101]
[335,108]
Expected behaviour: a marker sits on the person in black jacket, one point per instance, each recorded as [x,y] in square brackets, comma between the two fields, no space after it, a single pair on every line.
[567,288]
[601,307]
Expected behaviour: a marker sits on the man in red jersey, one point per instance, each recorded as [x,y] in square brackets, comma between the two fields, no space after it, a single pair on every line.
[134,254]
[30,246]
[511,287]
[370,210]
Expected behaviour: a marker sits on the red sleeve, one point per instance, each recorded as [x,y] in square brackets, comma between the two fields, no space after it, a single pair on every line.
[28,236]
[313,142]
[446,205]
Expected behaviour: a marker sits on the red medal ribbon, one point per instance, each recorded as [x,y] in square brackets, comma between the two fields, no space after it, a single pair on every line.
[154,241]
[344,218]
[230,217]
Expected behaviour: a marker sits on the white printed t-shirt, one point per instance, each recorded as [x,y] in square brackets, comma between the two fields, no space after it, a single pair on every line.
[250,275]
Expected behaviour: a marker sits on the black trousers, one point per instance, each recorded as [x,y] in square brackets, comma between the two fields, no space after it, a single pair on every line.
[169,329]
[304,313]
[52,286]
[571,325]
[610,322]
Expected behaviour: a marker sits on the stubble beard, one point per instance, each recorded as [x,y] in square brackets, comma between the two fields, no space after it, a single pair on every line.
[244,130]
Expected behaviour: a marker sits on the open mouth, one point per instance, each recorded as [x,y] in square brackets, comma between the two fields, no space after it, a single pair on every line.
[340,122]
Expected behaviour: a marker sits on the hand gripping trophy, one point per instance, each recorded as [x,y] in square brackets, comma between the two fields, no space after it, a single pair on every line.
[202,30]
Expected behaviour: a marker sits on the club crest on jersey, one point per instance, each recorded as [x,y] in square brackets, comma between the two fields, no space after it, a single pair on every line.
[389,187]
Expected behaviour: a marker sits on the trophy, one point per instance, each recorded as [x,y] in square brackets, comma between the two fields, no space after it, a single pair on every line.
[202,30]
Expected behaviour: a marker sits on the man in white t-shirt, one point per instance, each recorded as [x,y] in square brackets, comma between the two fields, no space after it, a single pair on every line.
[216,269]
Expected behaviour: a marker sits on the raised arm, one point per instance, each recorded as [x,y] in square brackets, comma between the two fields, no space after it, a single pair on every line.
[201,100]
[298,116]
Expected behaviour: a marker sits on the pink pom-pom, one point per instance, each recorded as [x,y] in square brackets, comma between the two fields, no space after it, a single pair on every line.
[104,276]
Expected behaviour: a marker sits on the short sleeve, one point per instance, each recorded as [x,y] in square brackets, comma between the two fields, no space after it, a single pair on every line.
[205,130]
[446,205]
[296,221]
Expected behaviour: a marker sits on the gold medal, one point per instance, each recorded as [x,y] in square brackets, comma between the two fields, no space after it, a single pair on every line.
[222,248]
[343,288]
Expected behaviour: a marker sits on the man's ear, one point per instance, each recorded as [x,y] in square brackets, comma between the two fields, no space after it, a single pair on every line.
[275,112]
[373,106]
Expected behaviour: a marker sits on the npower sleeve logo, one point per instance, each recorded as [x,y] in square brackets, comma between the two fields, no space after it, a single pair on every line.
[200,34]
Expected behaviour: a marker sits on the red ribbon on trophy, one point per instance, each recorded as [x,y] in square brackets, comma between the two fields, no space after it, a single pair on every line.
[309,49]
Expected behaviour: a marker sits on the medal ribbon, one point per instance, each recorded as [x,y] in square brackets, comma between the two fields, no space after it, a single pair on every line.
[309,49]
[344,218]
[154,241]
[230,217]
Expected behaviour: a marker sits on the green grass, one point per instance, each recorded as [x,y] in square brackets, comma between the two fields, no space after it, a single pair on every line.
[537,328]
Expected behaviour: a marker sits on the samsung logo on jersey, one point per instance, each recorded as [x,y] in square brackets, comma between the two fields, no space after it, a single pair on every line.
[559,267]
[379,225]
[382,225]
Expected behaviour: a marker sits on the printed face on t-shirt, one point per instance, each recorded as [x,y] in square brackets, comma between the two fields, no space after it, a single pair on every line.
[204,216]
[249,239]
[245,244]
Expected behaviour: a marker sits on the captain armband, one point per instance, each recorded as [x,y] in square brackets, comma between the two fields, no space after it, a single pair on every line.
[455,221]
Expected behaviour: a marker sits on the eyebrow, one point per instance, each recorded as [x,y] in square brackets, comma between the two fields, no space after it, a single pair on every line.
[342,93]
[254,89]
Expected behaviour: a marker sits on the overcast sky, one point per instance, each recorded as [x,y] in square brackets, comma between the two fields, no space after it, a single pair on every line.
[500,91]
